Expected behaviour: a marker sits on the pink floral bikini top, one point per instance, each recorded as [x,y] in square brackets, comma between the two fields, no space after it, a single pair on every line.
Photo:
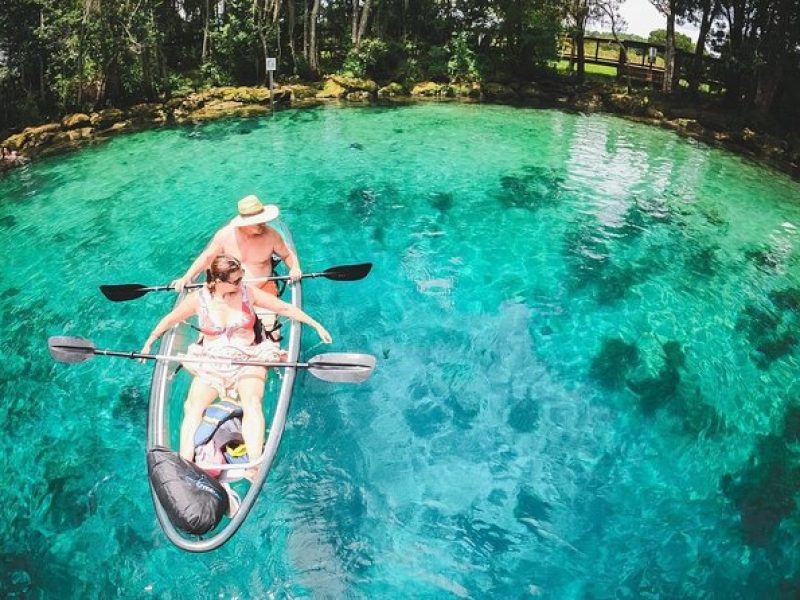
[209,326]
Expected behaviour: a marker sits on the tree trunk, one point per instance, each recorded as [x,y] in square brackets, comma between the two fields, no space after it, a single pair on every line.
[579,33]
[362,26]
[669,53]
[709,11]
[306,19]
[41,60]
[769,78]
[291,25]
[314,51]
[354,22]
[204,52]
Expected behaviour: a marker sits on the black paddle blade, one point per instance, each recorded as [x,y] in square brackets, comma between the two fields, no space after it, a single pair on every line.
[124,291]
[348,272]
[342,367]
[68,349]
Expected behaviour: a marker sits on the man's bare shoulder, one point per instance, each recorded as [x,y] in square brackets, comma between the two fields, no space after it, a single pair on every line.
[225,235]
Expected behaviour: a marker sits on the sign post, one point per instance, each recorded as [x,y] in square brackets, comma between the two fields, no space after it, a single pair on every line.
[272,65]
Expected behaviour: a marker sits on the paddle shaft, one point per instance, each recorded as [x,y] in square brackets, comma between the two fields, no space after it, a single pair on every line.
[224,361]
[194,286]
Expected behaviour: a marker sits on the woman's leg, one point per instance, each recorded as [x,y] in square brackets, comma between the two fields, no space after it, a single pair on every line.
[200,396]
[251,392]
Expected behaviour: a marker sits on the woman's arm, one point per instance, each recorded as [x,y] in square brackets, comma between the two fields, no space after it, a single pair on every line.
[181,312]
[279,307]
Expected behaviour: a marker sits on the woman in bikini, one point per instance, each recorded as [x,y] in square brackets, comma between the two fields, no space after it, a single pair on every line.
[225,311]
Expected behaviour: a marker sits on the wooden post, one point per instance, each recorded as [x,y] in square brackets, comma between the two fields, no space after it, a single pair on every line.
[271,65]
[597,51]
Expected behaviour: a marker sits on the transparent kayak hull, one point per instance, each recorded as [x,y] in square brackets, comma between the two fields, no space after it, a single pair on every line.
[168,391]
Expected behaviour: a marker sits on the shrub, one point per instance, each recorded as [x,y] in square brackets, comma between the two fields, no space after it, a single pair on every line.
[462,66]
[366,60]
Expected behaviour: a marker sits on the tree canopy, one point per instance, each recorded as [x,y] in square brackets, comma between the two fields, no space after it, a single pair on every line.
[59,56]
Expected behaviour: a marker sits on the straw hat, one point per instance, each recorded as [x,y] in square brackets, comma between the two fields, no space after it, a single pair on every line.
[252,212]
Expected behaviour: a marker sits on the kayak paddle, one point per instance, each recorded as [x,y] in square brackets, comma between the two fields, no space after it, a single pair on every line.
[130,291]
[336,367]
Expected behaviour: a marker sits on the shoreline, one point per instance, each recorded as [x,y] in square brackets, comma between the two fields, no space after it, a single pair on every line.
[700,123]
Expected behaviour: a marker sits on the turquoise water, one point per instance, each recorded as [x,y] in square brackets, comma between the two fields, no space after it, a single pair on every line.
[587,335]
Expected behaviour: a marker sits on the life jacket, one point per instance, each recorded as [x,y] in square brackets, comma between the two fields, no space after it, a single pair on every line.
[218,439]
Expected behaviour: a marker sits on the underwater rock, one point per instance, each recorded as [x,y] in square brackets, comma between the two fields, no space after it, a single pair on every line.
[791,424]
[610,365]
[771,335]
[523,417]
[539,187]
[655,392]
[531,506]
[763,491]
[615,283]
[786,299]
[131,404]
[486,538]
[763,258]
[442,201]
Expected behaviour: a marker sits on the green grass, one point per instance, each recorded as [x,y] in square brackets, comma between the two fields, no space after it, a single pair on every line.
[599,71]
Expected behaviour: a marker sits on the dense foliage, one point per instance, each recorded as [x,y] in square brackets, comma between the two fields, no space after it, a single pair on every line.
[59,56]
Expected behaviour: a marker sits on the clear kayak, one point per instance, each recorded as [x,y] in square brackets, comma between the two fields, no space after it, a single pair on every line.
[168,390]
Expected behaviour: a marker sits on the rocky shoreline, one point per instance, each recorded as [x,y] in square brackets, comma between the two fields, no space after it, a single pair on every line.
[704,124]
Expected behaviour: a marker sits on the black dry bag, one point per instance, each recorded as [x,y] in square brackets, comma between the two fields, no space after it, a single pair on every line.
[193,501]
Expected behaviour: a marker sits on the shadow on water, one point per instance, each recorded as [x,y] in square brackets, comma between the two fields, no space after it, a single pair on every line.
[764,490]
[772,331]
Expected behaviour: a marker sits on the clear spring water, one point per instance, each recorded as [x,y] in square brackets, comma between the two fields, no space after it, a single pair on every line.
[588,342]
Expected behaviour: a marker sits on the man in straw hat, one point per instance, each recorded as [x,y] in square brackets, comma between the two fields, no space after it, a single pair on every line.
[248,238]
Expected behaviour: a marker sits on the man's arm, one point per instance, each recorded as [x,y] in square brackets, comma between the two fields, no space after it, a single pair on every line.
[201,263]
[290,258]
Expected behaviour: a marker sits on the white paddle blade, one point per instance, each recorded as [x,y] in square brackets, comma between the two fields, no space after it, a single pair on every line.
[342,367]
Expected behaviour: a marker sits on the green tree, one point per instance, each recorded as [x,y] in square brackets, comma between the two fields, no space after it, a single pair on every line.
[682,42]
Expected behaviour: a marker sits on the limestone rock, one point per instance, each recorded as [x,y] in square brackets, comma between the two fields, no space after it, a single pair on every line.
[76,121]
[331,89]
[531,91]
[73,135]
[498,91]
[105,118]
[222,108]
[300,92]
[34,137]
[653,113]
[589,102]
[247,95]
[464,90]
[117,127]
[627,103]
[428,89]
[339,86]
[393,89]
[359,96]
